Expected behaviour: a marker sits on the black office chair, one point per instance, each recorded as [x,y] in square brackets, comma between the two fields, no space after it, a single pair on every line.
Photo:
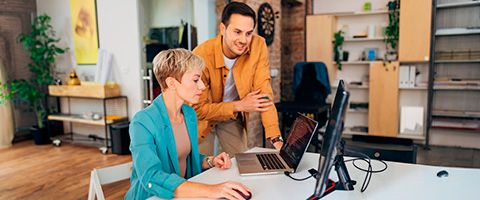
[311,88]
[383,148]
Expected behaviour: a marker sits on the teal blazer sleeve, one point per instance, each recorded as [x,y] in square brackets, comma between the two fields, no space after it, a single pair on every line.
[155,168]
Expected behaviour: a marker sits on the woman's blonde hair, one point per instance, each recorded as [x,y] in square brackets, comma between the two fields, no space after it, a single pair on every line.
[174,63]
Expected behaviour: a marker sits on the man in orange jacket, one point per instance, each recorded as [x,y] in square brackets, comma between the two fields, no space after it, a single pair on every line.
[237,76]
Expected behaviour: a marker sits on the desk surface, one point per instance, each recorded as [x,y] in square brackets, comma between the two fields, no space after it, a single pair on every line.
[399,181]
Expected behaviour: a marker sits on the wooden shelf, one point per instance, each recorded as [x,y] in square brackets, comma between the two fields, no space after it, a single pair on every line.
[349,132]
[80,119]
[459,124]
[355,62]
[454,113]
[457,61]
[413,137]
[364,39]
[415,88]
[86,90]
[462,87]
[459,4]
[353,86]
[347,14]
[358,111]
[456,31]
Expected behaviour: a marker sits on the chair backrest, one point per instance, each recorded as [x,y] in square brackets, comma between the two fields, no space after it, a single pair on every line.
[313,84]
[99,177]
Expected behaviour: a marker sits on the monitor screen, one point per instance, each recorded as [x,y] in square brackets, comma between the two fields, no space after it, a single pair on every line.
[331,137]
[297,140]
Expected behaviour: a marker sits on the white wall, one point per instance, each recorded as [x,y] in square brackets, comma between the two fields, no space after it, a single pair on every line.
[119,33]
[204,19]
[165,13]
[329,6]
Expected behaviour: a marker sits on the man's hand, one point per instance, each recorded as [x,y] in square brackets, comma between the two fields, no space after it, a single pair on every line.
[278,145]
[253,102]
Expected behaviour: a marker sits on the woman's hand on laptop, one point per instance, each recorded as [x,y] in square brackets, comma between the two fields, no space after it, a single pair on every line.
[222,161]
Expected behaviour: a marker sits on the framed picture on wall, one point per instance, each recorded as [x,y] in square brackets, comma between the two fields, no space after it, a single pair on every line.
[85,31]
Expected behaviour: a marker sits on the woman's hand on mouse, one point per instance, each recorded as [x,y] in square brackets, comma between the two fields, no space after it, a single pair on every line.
[222,161]
[227,190]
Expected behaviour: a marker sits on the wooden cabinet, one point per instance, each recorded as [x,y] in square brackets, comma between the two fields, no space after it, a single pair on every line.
[383,116]
[320,29]
[415,27]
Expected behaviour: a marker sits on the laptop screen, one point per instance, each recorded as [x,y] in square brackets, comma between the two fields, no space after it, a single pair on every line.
[298,140]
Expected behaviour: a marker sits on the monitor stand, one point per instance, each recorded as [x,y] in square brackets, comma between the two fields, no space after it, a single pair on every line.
[344,181]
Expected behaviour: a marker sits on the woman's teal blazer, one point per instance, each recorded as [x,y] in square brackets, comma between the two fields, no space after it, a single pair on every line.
[155,169]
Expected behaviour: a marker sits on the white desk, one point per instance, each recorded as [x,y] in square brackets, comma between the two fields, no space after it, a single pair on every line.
[399,181]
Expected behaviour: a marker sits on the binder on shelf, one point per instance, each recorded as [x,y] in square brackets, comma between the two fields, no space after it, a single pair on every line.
[412,76]
[403,76]
[411,120]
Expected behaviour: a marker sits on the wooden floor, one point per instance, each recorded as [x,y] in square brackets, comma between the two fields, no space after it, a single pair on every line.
[29,171]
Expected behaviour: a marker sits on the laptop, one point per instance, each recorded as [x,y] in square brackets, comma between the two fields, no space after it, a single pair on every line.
[287,159]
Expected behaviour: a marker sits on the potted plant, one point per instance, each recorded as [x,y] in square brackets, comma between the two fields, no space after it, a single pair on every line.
[41,46]
[392,30]
[337,47]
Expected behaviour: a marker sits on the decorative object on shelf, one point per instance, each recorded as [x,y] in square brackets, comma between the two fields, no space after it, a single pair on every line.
[345,55]
[337,47]
[367,6]
[73,78]
[371,31]
[84,29]
[41,44]
[371,54]
[392,30]
[92,116]
[266,22]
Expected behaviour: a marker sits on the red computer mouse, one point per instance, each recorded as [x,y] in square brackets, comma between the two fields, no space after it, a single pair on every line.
[248,196]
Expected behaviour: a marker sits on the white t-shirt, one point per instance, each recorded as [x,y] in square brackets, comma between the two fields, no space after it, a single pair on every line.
[230,91]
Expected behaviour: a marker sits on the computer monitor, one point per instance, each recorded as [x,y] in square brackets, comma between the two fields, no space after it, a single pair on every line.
[331,138]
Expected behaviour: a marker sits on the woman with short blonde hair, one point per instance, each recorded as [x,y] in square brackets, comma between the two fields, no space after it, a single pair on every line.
[164,135]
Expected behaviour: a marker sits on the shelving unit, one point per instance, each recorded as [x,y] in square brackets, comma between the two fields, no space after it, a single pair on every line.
[416,52]
[454,84]
[106,117]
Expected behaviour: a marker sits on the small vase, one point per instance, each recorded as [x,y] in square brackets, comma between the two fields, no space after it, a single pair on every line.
[391,56]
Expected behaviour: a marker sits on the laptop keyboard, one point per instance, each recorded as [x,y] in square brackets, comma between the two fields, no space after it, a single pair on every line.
[270,161]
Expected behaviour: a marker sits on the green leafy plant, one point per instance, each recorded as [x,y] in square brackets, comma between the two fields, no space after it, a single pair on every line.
[41,46]
[392,30]
[337,46]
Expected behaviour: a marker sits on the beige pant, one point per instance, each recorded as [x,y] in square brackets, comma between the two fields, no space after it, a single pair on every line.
[231,135]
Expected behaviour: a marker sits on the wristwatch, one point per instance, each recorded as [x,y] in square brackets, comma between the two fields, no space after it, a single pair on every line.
[275,139]
[209,161]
